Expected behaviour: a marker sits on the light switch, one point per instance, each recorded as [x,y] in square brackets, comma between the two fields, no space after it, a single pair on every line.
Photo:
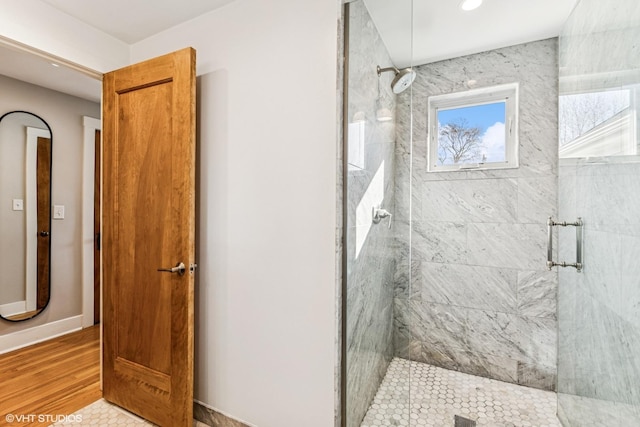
[18,204]
[58,211]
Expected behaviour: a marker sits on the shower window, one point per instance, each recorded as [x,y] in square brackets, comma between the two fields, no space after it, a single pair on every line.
[598,124]
[475,129]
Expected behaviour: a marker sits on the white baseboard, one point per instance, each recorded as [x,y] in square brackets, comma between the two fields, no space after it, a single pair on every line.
[24,338]
[13,308]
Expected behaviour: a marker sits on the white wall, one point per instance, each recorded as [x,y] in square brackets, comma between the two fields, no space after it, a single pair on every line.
[64,114]
[266,305]
[13,154]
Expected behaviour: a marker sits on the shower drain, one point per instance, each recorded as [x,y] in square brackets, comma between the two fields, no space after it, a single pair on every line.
[463,422]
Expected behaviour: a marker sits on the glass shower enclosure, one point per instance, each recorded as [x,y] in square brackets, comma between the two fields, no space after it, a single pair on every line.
[373,211]
[449,268]
[599,181]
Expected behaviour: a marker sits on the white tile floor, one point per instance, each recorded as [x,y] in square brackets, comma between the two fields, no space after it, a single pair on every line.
[102,413]
[411,394]
[417,394]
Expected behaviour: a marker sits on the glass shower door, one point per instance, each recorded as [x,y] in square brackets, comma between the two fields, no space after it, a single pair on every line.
[599,180]
[373,219]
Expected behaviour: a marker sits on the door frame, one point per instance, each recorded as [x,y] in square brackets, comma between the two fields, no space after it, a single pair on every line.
[88,237]
[88,169]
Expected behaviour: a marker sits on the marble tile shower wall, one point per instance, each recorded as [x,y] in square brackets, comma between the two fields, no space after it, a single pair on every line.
[479,298]
[599,310]
[370,252]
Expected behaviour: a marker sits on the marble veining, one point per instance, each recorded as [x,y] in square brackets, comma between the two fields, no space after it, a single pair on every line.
[537,293]
[594,412]
[471,288]
[600,49]
[537,199]
[443,242]
[213,418]
[504,346]
[521,246]
[599,323]
[369,247]
[490,200]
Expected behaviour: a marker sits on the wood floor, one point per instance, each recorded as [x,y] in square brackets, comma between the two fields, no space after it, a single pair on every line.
[56,377]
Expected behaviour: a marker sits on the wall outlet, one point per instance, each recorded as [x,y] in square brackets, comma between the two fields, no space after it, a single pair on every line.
[18,204]
[58,211]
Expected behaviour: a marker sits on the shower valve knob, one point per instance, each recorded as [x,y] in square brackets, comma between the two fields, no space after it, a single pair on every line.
[379,214]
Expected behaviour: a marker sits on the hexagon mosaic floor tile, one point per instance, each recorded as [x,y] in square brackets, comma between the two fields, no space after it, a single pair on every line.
[417,394]
[103,413]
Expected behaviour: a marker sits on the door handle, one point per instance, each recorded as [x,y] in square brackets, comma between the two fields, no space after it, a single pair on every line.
[44,233]
[179,268]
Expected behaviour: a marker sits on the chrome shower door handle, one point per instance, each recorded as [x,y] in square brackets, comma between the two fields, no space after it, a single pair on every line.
[579,231]
[550,224]
[180,268]
[578,224]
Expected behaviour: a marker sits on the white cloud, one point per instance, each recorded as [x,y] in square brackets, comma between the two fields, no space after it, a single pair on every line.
[493,142]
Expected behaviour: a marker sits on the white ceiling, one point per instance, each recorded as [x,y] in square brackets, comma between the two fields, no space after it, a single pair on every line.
[37,70]
[135,20]
[441,30]
[126,20]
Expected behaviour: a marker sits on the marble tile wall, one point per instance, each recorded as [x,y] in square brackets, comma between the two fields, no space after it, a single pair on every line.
[370,248]
[214,418]
[477,297]
[599,323]
[599,310]
[598,48]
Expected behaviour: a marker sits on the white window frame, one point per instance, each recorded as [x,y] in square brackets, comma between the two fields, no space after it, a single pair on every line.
[507,93]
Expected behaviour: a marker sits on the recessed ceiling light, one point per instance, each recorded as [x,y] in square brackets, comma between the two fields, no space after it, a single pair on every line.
[470,4]
[54,64]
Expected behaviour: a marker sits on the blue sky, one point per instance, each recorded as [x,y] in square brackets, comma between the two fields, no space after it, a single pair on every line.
[483,116]
[490,119]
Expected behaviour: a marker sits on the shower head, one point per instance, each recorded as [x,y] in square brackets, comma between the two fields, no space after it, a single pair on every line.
[402,80]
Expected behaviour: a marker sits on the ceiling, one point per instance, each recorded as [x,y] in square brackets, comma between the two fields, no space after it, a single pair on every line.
[441,30]
[37,70]
[135,20]
[127,20]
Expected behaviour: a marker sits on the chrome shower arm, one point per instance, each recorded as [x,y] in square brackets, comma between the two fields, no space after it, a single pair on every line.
[384,70]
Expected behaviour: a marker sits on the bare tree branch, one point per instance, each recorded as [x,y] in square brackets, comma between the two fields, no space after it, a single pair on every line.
[460,142]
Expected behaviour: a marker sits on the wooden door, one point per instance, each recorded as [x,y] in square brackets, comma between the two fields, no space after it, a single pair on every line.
[43,200]
[149,224]
[97,259]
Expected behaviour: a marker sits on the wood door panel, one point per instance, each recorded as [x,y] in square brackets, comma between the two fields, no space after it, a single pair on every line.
[144,185]
[43,191]
[149,223]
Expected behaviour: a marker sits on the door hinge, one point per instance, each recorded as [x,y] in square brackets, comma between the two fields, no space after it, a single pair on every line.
[98,242]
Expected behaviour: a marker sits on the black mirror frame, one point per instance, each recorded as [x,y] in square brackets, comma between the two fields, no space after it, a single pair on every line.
[38,312]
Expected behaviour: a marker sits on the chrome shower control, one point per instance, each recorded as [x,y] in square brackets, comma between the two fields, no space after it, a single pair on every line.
[379,214]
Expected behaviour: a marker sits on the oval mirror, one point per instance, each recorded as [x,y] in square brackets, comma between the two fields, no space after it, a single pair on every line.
[25,215]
